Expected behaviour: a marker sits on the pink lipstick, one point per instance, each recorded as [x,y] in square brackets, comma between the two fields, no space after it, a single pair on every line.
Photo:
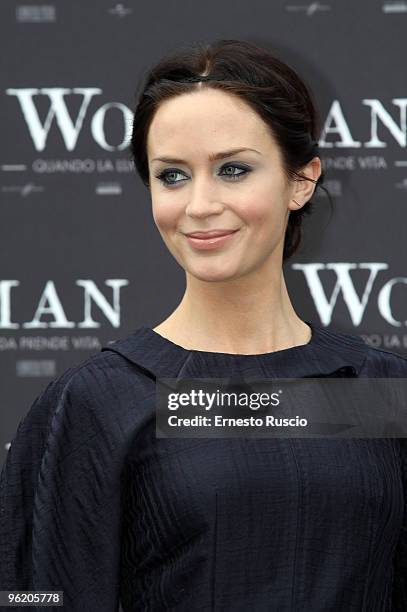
[210,240]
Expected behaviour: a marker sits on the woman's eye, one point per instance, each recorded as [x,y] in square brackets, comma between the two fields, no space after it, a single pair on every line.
[231,174]
[167,177]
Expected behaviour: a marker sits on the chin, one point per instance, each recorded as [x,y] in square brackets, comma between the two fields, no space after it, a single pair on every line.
[212,273]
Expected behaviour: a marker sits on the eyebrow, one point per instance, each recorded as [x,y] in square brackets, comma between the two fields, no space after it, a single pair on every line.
[211,157]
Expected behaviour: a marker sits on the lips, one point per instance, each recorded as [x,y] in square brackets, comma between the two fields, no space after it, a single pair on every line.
[210,234]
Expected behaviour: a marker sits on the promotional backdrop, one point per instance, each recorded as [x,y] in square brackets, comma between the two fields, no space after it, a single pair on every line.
[82,261]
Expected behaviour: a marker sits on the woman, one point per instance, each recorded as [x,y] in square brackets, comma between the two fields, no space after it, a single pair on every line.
[95,505]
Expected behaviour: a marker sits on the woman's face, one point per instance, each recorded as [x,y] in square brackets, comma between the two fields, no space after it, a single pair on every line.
[244,191]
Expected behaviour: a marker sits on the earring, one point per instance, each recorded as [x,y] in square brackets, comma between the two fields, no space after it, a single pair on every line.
[297,203]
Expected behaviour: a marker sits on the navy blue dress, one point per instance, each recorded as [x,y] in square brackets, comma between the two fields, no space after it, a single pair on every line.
[93,504]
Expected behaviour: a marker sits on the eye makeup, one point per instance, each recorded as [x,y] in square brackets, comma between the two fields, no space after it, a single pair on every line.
[164,175]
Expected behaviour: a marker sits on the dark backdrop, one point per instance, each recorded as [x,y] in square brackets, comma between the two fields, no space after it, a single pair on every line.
[82,262]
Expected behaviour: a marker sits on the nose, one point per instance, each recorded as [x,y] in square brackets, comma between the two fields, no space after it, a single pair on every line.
[203,199]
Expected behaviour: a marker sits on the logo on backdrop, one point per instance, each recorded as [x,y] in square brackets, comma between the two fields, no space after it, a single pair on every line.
[376,291]
[49,313]
[103,123]
[50,303]
[58,113]
[103,126]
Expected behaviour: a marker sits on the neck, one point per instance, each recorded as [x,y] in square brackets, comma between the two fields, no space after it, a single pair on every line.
[240,316]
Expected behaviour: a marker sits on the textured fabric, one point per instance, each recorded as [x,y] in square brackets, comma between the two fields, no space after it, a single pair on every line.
[93,504]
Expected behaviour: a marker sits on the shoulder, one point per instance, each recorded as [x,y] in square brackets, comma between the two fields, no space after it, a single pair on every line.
[340,348]
[383,363]
[93,382]
[376,361]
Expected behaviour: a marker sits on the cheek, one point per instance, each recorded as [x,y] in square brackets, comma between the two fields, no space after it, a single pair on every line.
[165,214]
[264,201]
[259,209]
[264,213]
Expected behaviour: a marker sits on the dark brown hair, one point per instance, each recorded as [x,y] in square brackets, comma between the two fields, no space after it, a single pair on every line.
[268,85]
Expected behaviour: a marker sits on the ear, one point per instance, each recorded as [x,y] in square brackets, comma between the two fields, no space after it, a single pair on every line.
[303,189]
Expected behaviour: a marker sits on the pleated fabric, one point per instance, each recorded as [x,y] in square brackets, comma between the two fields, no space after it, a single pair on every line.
[93,504]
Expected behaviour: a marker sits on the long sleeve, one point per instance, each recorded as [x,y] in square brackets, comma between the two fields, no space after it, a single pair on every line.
[399,595]
[60,498]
